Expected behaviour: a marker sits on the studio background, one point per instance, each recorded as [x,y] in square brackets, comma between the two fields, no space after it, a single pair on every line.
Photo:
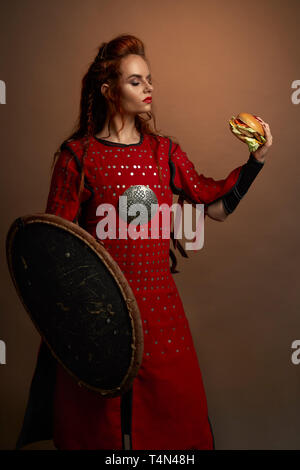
[209,61]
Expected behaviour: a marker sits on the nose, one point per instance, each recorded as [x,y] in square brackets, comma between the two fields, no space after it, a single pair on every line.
[148,87]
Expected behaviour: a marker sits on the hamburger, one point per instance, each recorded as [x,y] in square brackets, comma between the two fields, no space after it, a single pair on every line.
[248,129]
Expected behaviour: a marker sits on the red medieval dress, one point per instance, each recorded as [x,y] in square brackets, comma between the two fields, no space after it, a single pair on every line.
[169,407]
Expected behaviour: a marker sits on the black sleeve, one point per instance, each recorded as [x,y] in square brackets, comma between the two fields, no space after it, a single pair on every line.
[248,174]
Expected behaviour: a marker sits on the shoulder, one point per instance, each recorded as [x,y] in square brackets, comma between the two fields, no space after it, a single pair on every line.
[72,150]
[73,146]
[166,143]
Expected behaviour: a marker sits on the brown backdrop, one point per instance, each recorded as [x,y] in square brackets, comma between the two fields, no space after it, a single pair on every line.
[209,60]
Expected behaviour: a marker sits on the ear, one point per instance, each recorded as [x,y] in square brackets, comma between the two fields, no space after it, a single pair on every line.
[104,89]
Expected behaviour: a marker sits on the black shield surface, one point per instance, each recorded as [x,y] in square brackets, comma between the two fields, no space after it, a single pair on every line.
[79,301]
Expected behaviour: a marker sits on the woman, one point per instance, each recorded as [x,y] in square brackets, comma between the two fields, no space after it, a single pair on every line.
[113,149]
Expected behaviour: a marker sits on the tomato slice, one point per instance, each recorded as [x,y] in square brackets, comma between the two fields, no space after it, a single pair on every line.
[240,123]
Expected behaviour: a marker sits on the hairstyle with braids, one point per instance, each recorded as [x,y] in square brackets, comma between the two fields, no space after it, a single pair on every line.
[95,108]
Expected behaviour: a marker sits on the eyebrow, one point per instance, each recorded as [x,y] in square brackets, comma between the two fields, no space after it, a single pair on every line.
[138,76]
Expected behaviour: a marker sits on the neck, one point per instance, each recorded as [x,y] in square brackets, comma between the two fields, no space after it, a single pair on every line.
[128,134]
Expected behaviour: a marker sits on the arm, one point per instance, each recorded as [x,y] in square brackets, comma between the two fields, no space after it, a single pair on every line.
[216,211]
[220,197]
[63,194]
[226,205]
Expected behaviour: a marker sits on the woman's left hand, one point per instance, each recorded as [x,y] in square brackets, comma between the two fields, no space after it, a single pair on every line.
[260,153]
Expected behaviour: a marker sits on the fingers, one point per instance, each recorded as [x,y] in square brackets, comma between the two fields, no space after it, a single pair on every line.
[262,121]
[265,124]
[267,130]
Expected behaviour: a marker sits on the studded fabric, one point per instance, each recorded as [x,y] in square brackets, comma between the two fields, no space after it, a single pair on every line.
[169,402]
[196,187]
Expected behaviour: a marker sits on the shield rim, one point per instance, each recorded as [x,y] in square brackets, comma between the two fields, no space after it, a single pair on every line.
[137,346]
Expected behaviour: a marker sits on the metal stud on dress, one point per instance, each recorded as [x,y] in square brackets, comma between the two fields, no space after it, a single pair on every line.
[138,194]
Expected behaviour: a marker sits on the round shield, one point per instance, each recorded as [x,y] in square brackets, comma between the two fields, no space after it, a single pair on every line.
[78,299]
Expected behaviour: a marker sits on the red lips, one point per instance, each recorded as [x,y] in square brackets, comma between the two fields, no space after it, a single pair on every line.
[148,100]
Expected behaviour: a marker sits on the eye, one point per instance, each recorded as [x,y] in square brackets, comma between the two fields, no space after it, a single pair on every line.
[134,83]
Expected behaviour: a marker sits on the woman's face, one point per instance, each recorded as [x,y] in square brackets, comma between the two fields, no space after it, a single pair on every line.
[135,85]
